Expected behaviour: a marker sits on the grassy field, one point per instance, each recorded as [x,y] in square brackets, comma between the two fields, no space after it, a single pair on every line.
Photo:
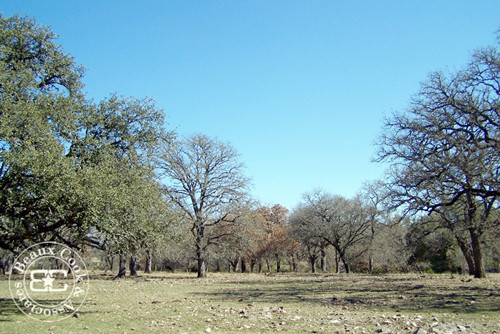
[258,303]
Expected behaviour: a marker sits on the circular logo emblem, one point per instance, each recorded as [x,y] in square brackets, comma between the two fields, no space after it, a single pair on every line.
[49,281]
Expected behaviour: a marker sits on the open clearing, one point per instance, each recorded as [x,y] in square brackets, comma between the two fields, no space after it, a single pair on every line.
[259,303]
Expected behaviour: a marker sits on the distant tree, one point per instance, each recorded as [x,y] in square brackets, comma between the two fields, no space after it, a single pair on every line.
[177,249]
[445,150]
[492,251]
[389,249]
[313,245]
[231,247]
[373,196]
[205,180]
[431,246]
[256,234]
[140,223]
[240,245]
[344,223]
[279,243]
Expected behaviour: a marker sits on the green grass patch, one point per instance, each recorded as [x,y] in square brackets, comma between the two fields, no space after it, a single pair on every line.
[258,303]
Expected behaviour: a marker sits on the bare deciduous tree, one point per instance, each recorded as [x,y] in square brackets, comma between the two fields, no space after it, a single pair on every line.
[343,223]
[444,150]
[204,178]
[311,243]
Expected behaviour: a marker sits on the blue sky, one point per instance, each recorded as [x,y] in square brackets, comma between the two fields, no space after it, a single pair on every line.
[299,88]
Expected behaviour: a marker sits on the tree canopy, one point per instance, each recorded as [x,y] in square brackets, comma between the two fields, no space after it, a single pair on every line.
[108,174]
[444,150]
[205,179]
[66,163]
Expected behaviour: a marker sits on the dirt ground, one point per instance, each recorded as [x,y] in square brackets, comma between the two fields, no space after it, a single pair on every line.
[260,303]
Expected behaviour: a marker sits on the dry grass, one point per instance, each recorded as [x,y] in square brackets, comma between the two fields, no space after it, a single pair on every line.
[258,303]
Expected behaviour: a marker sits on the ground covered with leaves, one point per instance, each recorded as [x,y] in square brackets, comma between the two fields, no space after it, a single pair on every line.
[259,303]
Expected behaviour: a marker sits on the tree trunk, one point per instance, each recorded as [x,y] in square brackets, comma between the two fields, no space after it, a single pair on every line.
[294,264]
[110,259]
[260,266]
[200,251]
[133,266]
[337,269]
[323,259]
[233,265]
[278,264]
[477,255]
[149,260]
[243,265]
[467,255]
[345,263]
[5,264]
[312,262]
[10,264]
[122,267]
[268,265]
[202,269]
[252,264]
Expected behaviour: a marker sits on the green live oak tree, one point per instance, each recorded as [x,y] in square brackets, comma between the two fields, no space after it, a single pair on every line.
[69,168]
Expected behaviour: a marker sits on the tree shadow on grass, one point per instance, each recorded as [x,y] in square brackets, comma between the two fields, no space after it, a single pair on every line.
[358,293]
[143,277]
[7,309]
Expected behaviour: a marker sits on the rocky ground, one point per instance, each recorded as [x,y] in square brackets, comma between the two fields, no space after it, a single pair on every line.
[292,303]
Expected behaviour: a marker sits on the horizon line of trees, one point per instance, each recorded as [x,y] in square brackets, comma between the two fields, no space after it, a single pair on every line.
[110,177]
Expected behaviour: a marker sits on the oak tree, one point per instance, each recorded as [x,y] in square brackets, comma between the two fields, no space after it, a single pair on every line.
[343,223]
[204,178]
[68,166]
[444,150]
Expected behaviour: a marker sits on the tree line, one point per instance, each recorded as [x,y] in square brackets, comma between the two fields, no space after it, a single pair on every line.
[109,178]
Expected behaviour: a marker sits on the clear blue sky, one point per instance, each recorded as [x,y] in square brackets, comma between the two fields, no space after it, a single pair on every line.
[299,88]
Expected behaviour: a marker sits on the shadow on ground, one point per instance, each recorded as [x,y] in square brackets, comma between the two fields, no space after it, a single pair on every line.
[7,309]
[412,294]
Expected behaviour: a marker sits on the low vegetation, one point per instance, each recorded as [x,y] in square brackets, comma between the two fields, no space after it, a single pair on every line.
[260,303]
